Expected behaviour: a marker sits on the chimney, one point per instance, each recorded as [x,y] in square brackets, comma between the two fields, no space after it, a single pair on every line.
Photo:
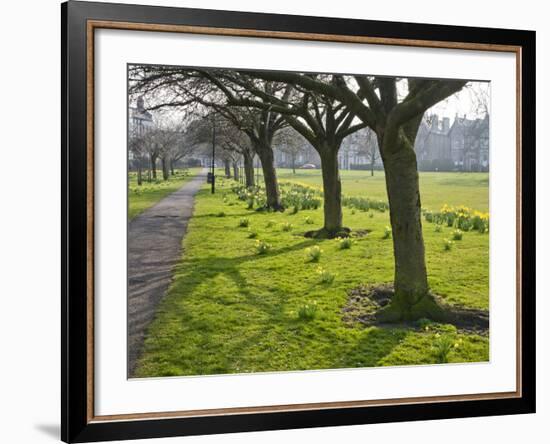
[446,124]
[140,105]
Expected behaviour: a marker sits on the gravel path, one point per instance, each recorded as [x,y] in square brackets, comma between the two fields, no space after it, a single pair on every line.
[154,247]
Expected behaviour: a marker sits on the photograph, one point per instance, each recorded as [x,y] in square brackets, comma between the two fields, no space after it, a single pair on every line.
[284,221]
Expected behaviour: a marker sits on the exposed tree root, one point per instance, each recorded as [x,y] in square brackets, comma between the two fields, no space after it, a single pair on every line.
[372,305]
[323,233]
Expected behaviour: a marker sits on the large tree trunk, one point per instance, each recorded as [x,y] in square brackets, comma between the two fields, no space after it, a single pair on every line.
[227,166]
[248,170]
[164,164]
[412,299]
[270,178]
[172,167]
[332,191]
[236,171]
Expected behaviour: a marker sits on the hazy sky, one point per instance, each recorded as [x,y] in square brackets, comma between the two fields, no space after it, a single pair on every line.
[474,100]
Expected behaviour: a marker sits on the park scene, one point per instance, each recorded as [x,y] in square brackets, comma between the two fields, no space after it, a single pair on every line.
[287,221]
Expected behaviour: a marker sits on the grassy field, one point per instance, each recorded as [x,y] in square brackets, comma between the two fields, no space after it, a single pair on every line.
[149,193]
[469,189]
[233,310]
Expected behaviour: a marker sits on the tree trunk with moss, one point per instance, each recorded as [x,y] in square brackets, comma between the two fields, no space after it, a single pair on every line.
[235,171]
[412,299]
[273,198]
[248,170]
[332,192]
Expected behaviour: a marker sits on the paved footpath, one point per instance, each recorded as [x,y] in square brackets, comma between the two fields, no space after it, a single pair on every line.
[154,247]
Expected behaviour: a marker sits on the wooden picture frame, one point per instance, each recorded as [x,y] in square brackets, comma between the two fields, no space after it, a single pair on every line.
[79,22]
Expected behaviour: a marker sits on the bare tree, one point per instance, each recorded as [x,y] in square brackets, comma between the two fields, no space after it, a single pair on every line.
[163,140]
[292,143]
[324,109]
[137,146]
[364,143]
[170,87]
[395,118]
[324,121]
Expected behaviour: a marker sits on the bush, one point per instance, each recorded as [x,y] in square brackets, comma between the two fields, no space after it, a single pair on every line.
[262,247]
[313,254]
[344,243]
[325,276]
[244,222]
[307,312]
[387,233]
[457,234]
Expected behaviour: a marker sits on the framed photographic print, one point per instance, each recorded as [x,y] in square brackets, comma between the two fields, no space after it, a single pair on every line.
[276,221]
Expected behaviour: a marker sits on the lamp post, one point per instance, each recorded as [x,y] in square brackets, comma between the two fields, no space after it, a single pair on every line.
[213,153]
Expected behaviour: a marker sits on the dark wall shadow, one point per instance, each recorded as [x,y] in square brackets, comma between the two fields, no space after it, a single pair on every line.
[51,430]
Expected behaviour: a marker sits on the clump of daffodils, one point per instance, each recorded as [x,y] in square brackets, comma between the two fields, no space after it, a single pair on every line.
[313,254]
[344,243]
[262,247]
[325,276]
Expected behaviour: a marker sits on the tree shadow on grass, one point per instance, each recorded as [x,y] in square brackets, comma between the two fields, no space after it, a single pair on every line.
[233,332]
[374,345]
[191,273]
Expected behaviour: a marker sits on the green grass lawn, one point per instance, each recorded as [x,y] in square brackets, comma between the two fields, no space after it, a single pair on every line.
[149,193]
[232,310]
[469,189]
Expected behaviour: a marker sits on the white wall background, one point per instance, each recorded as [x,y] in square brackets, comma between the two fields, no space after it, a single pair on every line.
[30,207]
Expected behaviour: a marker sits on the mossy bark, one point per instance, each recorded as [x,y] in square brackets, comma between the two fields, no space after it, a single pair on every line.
[270,178]
[332,191]
[248,170]
[412,299]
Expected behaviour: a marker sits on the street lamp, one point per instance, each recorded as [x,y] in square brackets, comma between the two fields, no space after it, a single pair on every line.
[213,153]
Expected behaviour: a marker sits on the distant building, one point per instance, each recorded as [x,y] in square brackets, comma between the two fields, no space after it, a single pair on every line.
[464,146]
[306,154]
[139,122]
[358,150]
[139,119]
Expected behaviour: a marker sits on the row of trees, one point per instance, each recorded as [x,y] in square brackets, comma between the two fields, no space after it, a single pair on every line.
[324,109]
[159,142]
